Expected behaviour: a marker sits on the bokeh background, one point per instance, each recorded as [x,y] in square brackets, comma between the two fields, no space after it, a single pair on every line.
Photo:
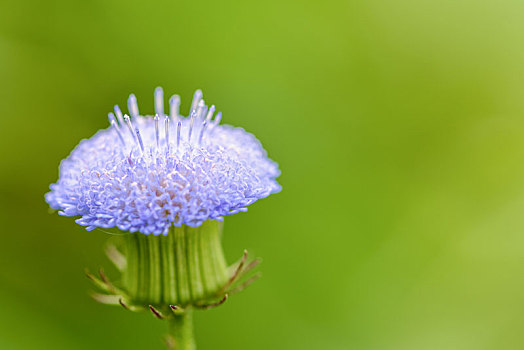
[399,129]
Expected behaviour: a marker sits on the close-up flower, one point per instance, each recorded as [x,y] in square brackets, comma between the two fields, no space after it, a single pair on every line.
[165,183]
[350,180]
[148,173]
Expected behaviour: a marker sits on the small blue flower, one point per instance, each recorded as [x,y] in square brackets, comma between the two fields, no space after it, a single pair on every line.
[147,173]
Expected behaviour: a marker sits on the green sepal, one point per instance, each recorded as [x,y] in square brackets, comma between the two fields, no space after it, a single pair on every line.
[170,274]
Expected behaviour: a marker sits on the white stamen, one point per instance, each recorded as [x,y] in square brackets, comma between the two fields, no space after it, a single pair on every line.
[215,122]
[110,117]
[114,124]
[174,106]
[132,105]
[202,132]
[210,114]
[166,128]
[196,98]
[119,116]
[193,116]
[140,140]
[179,127]
[131,128]
[157,136]
[204,112]
[217,119]
[200,108]
[159,101]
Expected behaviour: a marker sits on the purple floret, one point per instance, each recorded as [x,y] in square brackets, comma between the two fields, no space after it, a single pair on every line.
[109,181]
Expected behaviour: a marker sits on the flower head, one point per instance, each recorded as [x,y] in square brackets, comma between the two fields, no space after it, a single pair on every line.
[146,173]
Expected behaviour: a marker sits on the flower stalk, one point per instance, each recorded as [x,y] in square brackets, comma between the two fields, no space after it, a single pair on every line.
[180,335]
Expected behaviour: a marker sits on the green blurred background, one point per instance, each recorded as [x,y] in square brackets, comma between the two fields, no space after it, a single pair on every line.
[399,129]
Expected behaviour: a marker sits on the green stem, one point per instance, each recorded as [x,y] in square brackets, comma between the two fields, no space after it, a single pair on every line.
[181,331]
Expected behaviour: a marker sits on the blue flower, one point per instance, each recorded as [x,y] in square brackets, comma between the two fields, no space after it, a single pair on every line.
[147,173]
